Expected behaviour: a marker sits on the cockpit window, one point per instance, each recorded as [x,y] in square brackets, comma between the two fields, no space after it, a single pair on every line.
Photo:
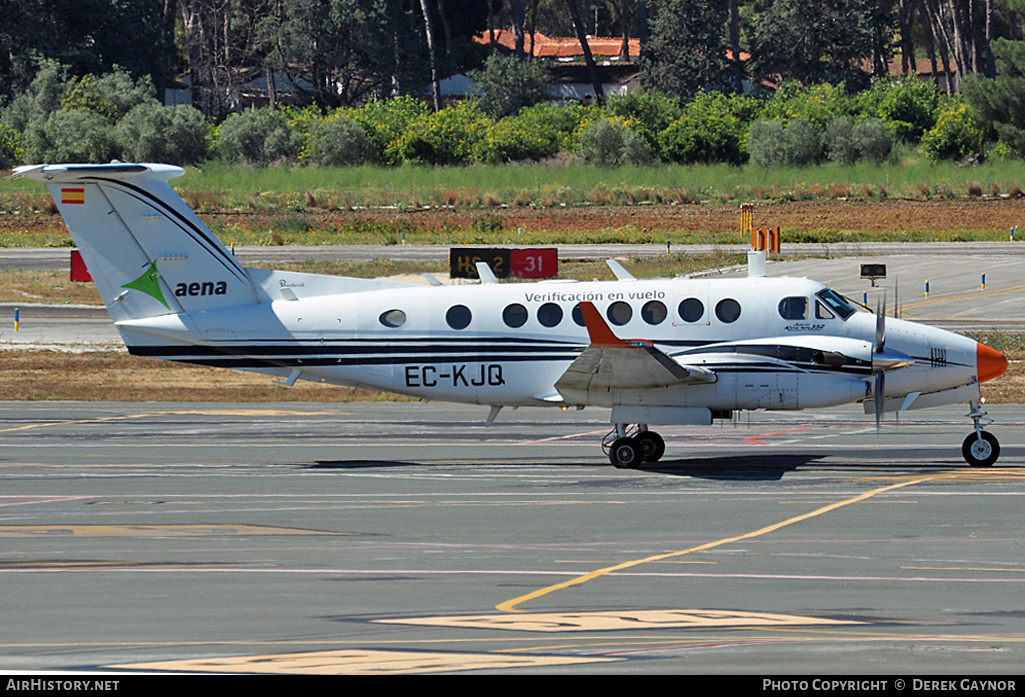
[835,303]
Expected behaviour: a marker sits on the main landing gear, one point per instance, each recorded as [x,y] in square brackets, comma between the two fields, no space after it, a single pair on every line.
[981,448]
[627,447]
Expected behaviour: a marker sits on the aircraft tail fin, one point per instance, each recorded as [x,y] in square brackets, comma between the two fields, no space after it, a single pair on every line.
[148,253]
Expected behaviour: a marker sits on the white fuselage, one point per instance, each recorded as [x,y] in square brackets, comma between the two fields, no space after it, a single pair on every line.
[508,344]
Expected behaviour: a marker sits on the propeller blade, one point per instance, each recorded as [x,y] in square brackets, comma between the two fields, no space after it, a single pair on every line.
[896,298]
[880,342]
[878,392]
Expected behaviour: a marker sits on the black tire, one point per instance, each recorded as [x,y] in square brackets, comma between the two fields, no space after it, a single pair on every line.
[980,453]
[651,445]
[625,454]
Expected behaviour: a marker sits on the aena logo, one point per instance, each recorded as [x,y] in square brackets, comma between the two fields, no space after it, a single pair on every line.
[204,288]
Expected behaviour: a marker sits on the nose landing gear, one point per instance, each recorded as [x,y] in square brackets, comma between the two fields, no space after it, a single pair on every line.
[981,448]
[628,447]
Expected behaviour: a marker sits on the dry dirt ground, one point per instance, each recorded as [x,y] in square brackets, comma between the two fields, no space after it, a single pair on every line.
[864,216]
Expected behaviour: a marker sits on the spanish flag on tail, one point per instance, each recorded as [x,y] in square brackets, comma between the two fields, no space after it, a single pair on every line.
[70,195]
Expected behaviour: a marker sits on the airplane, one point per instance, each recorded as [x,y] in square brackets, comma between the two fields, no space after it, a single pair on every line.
[681,351]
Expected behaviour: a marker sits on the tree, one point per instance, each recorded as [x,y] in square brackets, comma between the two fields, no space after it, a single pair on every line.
[964,29]
[89,36]
[687,49]
[348,49]
[506,85]
[433,54]
[814,41]
[578,26]
[1000,101]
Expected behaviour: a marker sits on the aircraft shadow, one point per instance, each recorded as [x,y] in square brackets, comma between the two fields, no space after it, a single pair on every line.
[744,467]
[734,467]
[355,464]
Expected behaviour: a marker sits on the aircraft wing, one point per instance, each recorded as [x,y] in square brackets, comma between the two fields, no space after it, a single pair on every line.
[610,364]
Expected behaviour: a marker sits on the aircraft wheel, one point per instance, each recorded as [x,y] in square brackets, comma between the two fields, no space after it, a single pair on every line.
[625,454]
[980,452]
[651,445]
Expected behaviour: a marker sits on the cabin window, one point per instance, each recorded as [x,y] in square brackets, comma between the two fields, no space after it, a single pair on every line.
[578,316]
[514,315]
[549,314]
[458,316]
[393,318]
[691,310]
[619,313]
[654,312]
[727,310]
[794,308]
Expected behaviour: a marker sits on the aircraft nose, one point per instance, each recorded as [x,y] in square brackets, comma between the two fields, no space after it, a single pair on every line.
[990,362]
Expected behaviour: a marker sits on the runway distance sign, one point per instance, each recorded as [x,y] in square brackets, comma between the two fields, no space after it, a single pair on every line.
[521,263]
[535,263]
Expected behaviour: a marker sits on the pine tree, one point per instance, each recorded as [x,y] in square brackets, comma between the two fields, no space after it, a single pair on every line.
[687,48]
[1000,101]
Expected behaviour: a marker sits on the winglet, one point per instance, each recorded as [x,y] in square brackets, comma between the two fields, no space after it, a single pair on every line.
[597,329]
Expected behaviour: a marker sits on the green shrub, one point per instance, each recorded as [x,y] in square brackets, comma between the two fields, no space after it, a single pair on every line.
[817,104]
[563,120]
[448,137]
[609,143]
[386,122]
[12,153]
[650,112]
[770,144]
[802,142]
[707,132]
[111,95]
[42,98]
[838,141]
[908,105]
[845,142]
[154,133]
[515,138]
[873,140]
[339,142]
[956,136]
[765,143]
[71,135]
[301,120]
[256,136]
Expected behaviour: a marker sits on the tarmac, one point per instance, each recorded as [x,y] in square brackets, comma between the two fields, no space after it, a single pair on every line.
[409,538]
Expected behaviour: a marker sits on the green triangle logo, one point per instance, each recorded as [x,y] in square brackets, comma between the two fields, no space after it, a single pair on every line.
[149,283]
